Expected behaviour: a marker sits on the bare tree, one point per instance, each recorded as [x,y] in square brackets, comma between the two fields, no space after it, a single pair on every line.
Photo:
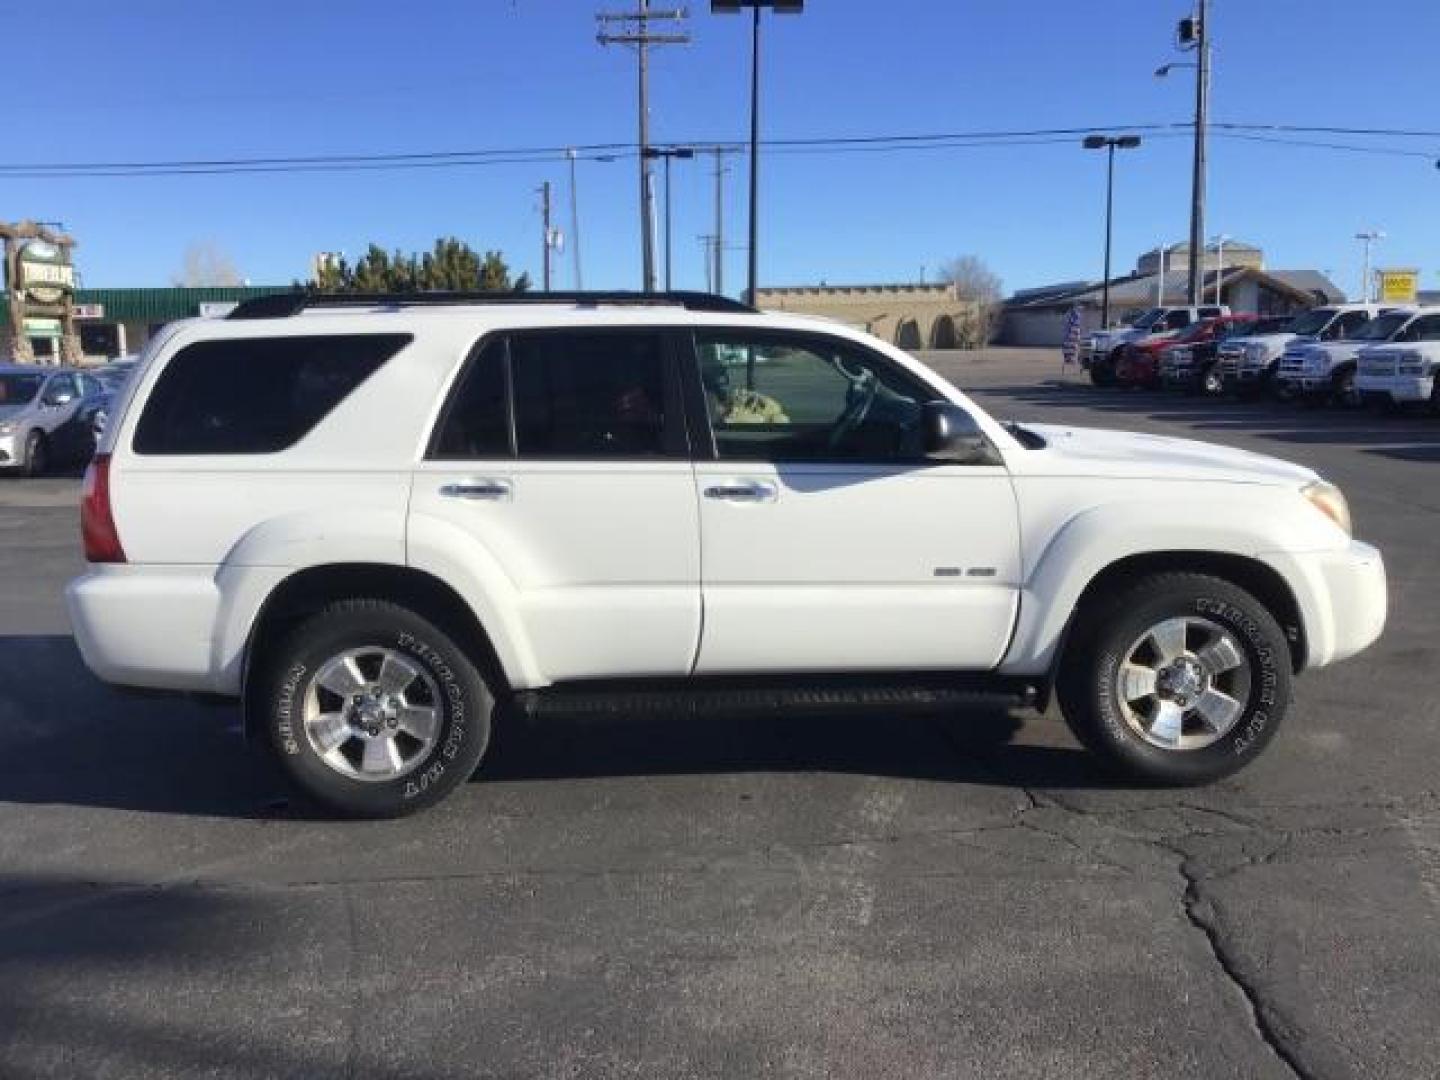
[973,280]
[206,264]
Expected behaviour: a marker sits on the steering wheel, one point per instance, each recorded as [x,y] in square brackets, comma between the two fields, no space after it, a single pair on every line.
[858,399]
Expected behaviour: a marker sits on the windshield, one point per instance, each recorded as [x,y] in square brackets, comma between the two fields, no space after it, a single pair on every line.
[1311,323]
[1241,329]
[1150,318]
[1383,327]
[19,389]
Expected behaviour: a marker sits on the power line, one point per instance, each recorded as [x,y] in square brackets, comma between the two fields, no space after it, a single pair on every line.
[1273,134]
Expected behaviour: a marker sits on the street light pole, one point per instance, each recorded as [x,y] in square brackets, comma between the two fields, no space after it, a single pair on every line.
[785,7]
[1110,145]
[669,154]
[1367,238]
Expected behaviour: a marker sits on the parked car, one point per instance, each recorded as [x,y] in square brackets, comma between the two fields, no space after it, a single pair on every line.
[1195,367]
[1099,353]
[113,379]
[1140,361]
[1403,373]
[408,518]
[46,417]
[1325,371]
[1250,364]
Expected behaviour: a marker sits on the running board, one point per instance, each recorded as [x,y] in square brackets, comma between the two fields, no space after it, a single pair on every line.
[716,698]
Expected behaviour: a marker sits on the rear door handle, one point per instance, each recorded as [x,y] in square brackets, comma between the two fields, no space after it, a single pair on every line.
[743,491]
[482,490]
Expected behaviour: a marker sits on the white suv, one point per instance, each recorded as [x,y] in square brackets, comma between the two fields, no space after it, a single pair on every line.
[387,522]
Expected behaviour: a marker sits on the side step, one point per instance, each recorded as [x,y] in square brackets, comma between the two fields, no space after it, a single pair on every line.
[680,698]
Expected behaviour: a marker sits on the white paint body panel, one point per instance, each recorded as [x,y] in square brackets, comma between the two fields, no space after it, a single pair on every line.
[856,568]
[614,569]
[602,560]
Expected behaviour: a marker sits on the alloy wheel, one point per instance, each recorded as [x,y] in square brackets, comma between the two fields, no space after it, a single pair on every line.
[1184,684]
[372,714]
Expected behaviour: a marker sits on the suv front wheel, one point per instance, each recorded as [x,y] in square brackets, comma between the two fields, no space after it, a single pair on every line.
[373,710]
[1176,679]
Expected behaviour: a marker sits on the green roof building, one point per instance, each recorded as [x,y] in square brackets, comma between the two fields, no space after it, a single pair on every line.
[114,322]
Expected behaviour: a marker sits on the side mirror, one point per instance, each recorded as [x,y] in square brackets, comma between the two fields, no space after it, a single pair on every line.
[953,436]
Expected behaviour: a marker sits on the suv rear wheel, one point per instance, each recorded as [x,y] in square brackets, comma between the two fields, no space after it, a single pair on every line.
[37,454]
[373,710]
[1176,679]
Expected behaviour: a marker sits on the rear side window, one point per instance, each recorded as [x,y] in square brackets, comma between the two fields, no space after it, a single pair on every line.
[477,422]
[256,395]
[589,395]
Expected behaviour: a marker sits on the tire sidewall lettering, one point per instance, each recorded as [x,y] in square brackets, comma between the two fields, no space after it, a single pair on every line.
[285,710]
[454,704]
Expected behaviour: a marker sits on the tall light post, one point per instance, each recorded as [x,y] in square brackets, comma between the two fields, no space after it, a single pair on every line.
[1367,238]
[1219,242]
[1109,144]
[734,7]
[669,153]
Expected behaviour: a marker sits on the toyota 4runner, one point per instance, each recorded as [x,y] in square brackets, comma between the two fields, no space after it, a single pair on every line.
[388,523]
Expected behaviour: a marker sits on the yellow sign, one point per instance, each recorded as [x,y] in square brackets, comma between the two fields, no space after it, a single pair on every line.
[1399,286]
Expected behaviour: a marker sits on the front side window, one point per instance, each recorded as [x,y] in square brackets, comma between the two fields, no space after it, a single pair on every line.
[589,394]
[256,395]
[782,399]
[61,391]
[1382,327]
[1177,320]
[1425,328]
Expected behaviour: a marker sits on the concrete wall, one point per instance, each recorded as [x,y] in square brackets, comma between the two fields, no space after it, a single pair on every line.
[911,316]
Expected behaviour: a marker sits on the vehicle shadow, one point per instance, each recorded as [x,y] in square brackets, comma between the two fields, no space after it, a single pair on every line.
[120,979]
[71,740]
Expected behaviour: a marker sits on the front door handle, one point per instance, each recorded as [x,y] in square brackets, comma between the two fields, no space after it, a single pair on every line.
[483,490]
[743,491]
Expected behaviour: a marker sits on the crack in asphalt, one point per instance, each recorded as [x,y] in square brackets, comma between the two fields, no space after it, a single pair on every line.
[1200,912]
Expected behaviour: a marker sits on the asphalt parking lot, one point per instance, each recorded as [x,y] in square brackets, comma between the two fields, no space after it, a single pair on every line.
[958,895]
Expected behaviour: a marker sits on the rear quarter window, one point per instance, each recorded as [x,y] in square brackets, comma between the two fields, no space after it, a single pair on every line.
[256,395]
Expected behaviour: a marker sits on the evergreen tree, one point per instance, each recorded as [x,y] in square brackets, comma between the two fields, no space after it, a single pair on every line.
[451,266]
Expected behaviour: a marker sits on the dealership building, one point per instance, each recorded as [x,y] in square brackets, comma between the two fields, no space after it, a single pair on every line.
[116,322]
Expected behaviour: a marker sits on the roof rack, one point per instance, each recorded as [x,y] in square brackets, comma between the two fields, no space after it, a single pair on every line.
[283,305]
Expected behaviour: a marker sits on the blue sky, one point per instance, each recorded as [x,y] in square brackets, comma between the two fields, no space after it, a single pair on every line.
[165,79]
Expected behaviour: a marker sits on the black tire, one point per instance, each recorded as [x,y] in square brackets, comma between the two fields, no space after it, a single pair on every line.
[1089,685]
[1102,369]
[1342,390]
[37,454]
[463,702]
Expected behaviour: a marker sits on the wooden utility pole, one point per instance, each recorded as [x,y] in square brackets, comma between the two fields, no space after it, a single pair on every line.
[634,28]
[546,237]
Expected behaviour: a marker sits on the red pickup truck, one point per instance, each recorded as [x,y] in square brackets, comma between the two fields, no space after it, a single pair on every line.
[1139,363]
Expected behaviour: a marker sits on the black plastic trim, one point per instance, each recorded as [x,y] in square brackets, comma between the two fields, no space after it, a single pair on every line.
[284,305]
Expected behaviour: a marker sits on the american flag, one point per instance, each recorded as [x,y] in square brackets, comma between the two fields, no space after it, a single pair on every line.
[1070,349]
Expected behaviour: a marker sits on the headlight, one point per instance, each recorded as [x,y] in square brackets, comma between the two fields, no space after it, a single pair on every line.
[1329,501]
[1255,353]
[7,429]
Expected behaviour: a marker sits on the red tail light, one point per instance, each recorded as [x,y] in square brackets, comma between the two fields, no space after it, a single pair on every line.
[97,523]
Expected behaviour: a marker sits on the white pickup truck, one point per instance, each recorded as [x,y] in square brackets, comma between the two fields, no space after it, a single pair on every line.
[1100,352]
[1327,370]
[389,523]
[1252,363]
[1404,372]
